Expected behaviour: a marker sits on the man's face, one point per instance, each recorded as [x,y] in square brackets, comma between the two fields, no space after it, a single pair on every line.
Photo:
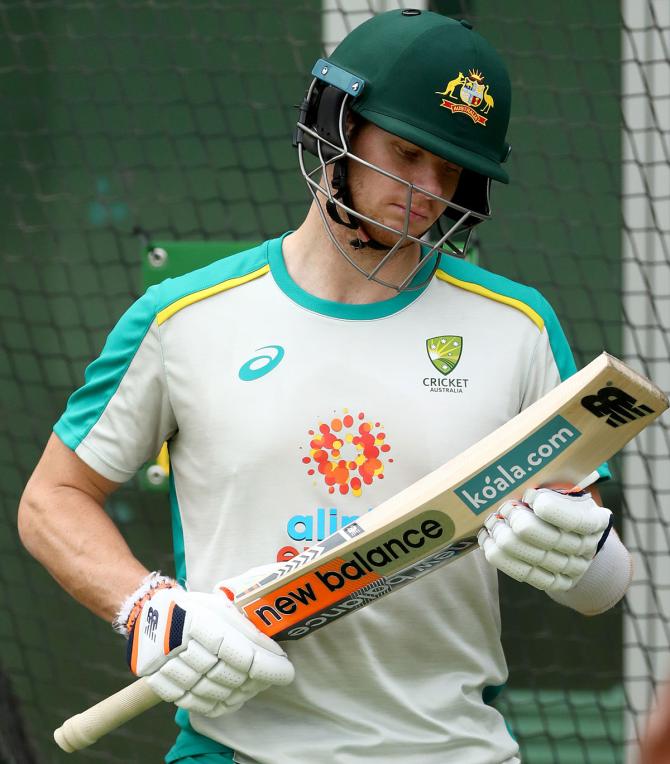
[384,199]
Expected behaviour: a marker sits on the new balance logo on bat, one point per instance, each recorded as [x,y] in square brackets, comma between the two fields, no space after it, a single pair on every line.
[385,554]
[616,405]
[352,530]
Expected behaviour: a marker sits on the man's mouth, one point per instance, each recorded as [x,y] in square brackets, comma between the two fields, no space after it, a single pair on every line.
[414,213]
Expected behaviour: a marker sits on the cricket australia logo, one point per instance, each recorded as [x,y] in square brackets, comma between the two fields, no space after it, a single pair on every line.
[445,352]
[467,94]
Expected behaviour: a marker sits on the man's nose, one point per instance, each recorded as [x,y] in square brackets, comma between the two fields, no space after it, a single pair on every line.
[429,178]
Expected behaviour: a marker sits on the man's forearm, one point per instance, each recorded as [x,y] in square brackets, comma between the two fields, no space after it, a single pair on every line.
[72,536]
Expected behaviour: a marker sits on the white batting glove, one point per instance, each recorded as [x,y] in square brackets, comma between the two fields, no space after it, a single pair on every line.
[548,539]
[199,652]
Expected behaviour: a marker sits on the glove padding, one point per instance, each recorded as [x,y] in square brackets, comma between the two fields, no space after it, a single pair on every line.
[198,651]
[548,539]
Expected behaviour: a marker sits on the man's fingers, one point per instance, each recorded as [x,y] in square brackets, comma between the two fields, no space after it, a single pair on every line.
[198,657]
[225,675]
[164,687]
[547,540]
[576,513]
[212,690]
[520,570]
[271,668]
[513,546]
[536,531]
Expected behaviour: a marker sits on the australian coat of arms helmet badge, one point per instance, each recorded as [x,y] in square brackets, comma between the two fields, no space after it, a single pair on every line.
[468,94]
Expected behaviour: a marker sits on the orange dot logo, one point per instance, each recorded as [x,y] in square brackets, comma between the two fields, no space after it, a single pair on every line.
[348,452]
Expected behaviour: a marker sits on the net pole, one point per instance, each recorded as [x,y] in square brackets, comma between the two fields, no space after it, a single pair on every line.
[646,291]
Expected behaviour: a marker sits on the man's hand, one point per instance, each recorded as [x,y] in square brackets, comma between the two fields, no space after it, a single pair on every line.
[199,652]
[548,539]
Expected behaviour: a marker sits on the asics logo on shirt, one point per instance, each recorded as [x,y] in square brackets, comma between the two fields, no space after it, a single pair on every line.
[260,365]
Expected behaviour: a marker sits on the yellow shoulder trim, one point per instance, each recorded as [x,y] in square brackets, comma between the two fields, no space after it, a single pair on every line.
[534,316]
[203,294]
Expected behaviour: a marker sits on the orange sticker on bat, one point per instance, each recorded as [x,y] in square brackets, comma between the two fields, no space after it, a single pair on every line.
[308,595]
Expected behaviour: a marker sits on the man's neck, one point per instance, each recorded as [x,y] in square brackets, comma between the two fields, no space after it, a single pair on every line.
[316,265]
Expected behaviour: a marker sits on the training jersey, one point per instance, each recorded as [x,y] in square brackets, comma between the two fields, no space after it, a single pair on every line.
[288,416]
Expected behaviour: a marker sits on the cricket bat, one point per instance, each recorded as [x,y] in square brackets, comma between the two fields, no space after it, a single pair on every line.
[560,439]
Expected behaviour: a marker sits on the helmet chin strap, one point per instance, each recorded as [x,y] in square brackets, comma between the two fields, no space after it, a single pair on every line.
[371,243]
[363,239]
[339,183]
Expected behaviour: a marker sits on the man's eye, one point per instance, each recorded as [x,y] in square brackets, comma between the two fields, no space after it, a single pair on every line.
[450,171]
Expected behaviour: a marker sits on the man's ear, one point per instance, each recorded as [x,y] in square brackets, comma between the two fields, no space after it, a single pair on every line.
[352,125]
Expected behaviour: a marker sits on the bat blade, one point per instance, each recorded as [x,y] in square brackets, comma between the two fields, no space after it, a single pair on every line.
[561,438]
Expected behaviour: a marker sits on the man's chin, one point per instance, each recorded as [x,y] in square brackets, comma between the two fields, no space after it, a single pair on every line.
[387,238]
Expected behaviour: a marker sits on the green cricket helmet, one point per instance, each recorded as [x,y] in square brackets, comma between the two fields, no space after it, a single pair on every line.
[428,79]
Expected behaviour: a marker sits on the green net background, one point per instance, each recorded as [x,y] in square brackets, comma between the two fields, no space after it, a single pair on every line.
[129,120]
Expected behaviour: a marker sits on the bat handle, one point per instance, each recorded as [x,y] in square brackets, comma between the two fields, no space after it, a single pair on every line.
[590,479]
[84,729]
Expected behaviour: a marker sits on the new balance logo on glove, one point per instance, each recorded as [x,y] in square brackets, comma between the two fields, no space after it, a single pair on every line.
[151,624]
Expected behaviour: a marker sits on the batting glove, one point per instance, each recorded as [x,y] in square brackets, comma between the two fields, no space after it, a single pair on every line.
[198,651]
[548,539]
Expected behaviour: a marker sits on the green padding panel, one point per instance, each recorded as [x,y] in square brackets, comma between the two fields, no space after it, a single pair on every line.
[167,259]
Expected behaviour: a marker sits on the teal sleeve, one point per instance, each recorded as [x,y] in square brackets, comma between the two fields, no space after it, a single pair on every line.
[103,376]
